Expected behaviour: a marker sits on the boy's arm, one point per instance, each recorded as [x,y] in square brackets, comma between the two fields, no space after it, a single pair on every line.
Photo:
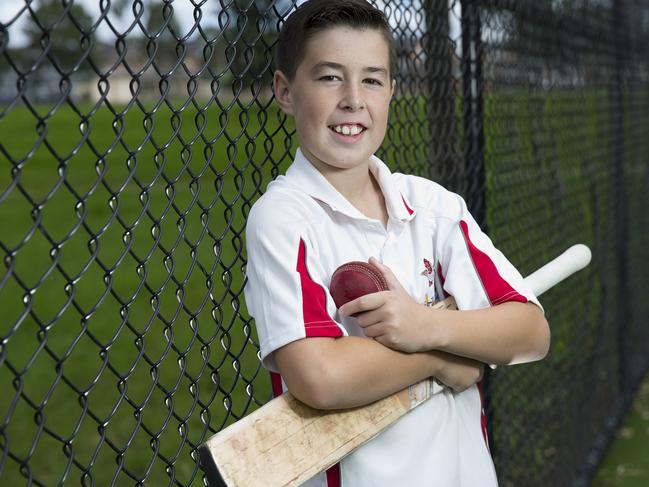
[335,373]
[507,333]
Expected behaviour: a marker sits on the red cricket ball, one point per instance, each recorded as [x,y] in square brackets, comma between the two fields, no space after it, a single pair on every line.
[355,279]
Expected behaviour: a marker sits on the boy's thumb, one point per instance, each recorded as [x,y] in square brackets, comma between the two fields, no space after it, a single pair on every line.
[390,278]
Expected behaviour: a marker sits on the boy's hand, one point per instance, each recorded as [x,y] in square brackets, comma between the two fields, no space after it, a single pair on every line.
[459,373]
[391,317]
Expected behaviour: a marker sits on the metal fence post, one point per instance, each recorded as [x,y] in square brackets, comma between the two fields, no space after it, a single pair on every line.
[473,110]
[617,115]
[472,92]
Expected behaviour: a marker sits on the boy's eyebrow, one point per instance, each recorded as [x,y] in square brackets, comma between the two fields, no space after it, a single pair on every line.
[329,64]
[377,69]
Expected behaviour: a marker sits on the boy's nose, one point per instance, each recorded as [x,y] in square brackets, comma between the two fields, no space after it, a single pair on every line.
[352,99]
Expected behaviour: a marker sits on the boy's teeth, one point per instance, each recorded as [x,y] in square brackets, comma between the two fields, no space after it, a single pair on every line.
[348,129]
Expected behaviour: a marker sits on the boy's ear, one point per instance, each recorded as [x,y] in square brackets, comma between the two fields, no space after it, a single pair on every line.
[394,86]
[282,89]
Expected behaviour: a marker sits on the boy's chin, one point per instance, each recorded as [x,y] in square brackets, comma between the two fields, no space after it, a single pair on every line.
[345,165]
[336,161]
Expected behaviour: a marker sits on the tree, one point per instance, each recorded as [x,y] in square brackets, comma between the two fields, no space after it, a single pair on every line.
[162,26]
[445,157]
[250,31]
[62,33]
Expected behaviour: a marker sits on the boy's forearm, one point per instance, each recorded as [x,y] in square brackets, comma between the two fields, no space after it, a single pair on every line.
[350,371]
[368,371]
[508,333]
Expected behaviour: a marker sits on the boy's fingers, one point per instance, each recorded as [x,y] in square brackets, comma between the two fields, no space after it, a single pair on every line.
[391,279]
[369,318]
[373,331]
[362,304]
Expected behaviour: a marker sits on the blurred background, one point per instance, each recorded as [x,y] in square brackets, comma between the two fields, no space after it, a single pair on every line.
[136,134]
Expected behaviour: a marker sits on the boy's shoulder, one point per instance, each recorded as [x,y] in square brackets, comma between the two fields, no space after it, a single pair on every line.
[282,203]
[430,197]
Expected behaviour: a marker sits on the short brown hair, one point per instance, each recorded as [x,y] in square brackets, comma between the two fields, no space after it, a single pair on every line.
[314,16]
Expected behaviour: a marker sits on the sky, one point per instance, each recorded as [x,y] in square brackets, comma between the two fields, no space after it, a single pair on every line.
[183,11]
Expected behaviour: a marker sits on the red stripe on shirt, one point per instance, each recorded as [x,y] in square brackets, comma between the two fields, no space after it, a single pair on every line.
[317,322]
[498,290]
[483,417]
[276,383]
[408,209]
[333,476]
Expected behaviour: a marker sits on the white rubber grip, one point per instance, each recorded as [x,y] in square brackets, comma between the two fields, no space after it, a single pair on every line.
[575,258]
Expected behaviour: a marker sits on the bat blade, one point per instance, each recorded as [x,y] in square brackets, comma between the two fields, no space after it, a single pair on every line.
[285,442]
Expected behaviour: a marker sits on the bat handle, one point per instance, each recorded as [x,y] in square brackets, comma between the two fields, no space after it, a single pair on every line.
[572,260]
[575,258]
[448,303]
[419,392]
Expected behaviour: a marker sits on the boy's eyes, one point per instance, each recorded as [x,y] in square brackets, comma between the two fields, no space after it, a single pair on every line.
[333,77]
[373,81]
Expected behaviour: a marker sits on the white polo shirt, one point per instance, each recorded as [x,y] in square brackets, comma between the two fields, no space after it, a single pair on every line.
[302,229]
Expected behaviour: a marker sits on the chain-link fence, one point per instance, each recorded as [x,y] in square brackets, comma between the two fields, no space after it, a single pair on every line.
[135,136]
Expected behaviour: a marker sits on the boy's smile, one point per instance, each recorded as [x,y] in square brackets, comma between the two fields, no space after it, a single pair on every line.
[340,97]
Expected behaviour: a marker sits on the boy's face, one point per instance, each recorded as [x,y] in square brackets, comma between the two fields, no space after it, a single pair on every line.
[339,97]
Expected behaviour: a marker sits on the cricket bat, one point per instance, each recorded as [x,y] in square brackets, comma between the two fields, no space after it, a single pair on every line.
[285,442]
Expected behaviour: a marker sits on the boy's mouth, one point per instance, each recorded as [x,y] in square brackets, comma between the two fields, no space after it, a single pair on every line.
[348,129]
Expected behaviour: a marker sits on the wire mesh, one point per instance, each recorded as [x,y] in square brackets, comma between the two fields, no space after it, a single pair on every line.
[135,136]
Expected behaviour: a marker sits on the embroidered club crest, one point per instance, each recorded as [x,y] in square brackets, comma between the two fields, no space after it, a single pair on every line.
[429,272]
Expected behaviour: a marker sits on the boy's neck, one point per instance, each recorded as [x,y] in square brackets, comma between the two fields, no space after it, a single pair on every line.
[359,186]
[352,183]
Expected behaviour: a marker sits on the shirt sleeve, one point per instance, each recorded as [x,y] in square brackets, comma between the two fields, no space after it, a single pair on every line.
[473,270]
[284,291]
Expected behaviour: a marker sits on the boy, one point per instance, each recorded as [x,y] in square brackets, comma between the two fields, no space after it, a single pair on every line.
[337,203]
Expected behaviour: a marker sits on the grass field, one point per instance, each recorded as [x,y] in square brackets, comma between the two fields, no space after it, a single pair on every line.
[108,242]
[626,463]
[124,319]
[124,325]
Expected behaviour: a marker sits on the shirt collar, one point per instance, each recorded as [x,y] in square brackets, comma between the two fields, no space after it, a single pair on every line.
[305,176]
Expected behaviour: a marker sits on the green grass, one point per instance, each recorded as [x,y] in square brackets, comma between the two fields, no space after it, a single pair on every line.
[550,183]
[625,463]
[124,259]
[125,254]
[124,250]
